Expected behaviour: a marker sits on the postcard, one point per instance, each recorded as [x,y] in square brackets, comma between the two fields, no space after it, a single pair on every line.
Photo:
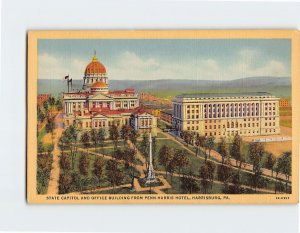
[163,116]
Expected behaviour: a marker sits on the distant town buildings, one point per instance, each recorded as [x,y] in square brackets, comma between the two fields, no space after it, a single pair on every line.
[146,99]
[283,103]
[98,107]
[41,98]
[220,115]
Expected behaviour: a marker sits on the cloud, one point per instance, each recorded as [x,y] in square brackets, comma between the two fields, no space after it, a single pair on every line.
[52,67]
[251,62]
[129,65]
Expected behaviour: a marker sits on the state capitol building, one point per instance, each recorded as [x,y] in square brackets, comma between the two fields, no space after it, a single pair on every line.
[95,106]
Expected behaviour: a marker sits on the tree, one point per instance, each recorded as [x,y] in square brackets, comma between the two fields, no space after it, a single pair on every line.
[125,133]
[114,175]
[236,188]
[165,156]
[256,151]
[119,154]
[235,151]
[223,149]
[180,159]
[209,144]
[187,137]
[255,179]
[101,138]
[83,165]
[71,133]
[65,162]
[145,145]
[204,176]
[154,149]
[270,160]
[65,181]
[189,183]
[40,115]
[63,142]
[277,168]
[211,171]
[98,168]
[51,101]
[46,108]
[94,138]
[114,135]
[129,158]
[85,140]
[200,142]
[224,174]
[171,168]
[58,104]
[286,167]
[133,136]
[40,147]
[50,127]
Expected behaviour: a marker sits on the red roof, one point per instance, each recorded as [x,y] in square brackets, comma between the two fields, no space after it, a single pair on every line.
[113,112]
[122,92]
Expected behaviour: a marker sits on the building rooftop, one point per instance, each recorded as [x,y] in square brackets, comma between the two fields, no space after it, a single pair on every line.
[220,95]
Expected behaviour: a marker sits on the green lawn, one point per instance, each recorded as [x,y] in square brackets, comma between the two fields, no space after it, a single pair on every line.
[120,191]
[286,123]
[161,135]
[162,125]
[177,189]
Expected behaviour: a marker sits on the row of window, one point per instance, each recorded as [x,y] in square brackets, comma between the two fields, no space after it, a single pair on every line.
[146,122]
[244,132]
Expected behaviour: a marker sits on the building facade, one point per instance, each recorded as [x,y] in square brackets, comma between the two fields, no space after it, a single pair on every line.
[223,115]
[95,106]
[167,116]
[283,103]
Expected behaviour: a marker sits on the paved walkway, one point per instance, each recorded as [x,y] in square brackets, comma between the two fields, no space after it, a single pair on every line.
[55,171]
[155,189]
[91,191]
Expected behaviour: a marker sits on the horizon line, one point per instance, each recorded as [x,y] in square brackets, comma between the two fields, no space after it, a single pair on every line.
[176,79]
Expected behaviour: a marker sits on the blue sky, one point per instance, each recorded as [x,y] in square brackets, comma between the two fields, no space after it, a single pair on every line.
[202,59]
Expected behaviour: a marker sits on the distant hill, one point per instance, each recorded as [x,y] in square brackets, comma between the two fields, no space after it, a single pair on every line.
[56,87]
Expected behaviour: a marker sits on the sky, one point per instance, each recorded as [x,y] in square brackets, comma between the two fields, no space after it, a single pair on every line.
[142,59]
